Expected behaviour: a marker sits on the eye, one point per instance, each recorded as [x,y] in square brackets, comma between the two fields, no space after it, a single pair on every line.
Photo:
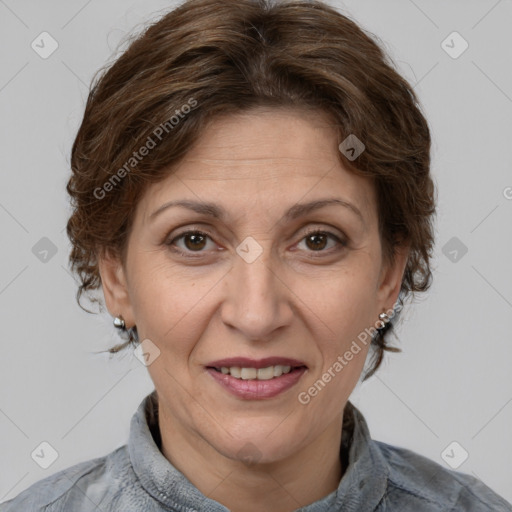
[317,240]
[194,241]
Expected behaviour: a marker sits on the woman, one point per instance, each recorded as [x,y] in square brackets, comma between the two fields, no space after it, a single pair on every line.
[252,193]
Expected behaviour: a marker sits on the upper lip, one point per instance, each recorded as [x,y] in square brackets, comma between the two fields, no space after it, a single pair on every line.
[246,362]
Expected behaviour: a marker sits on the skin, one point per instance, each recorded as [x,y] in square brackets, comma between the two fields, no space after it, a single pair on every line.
[286,303]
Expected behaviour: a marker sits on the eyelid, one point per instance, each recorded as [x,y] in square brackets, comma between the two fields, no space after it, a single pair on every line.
[170,241]
[328,231]
[315,227]
[338,236]
[342,242]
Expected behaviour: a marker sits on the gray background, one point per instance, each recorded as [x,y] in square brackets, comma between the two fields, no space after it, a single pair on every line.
[453,380]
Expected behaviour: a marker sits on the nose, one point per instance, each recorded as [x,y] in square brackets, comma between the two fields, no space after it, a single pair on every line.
[257,299]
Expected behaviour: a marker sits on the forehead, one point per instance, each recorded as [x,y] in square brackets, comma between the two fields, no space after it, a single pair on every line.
[263,159]
[266,133]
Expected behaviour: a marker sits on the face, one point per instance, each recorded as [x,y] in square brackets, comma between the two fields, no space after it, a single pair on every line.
[255,280]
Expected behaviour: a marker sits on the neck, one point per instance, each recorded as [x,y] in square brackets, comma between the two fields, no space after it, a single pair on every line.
[302,478]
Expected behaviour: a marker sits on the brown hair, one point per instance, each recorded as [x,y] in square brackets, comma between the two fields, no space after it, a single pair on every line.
[214,57]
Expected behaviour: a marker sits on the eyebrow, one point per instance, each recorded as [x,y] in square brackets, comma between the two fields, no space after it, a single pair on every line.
[296,211]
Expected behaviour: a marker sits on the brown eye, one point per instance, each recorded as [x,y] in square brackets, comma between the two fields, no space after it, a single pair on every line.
[317,241]
[193,241]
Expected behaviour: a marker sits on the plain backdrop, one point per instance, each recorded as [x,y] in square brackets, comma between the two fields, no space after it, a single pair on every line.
[452,382]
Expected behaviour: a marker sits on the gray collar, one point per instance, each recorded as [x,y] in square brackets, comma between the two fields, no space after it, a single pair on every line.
[361,488]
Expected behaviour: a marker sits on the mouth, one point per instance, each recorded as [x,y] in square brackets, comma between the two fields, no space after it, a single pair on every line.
[248,373]
[256,379]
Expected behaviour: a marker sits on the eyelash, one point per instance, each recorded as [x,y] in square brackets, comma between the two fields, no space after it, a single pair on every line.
[315,231]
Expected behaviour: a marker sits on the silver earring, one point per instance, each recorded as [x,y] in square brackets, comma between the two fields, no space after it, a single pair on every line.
[119,322]
[384,319]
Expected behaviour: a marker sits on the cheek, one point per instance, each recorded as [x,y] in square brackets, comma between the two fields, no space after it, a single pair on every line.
[346,308]
[173,304]
[170,305]
[345,301]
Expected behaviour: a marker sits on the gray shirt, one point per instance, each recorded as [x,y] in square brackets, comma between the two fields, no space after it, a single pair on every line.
[137,478]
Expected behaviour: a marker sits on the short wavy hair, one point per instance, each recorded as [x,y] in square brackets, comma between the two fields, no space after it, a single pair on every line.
[208,58]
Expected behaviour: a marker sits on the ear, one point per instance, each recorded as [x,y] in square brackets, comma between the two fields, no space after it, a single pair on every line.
[390,279]
[115,288]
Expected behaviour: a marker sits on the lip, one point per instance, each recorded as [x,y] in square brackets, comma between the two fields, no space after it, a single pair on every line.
[246,362]
[257,389]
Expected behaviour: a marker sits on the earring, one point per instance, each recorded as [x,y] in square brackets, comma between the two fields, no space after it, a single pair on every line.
[119,322]
[383,319]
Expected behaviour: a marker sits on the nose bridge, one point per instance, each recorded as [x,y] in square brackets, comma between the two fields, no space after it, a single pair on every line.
[256,301]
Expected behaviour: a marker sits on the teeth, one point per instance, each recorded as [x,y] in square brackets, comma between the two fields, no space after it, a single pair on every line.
[235,372]
[266,373]
[248,373]
[278,370]
[252,373]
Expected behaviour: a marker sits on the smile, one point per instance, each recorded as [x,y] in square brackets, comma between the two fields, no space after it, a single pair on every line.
[256,380]
[255,373]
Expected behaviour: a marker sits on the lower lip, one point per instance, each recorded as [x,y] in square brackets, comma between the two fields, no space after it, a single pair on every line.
[257,389]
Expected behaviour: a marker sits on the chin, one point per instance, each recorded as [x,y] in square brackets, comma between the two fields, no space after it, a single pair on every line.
[263,445]
[253,453]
